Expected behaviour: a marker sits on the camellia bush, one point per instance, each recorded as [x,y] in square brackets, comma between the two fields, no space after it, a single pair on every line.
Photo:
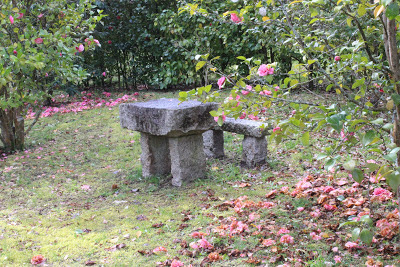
[40,42]
[348,48]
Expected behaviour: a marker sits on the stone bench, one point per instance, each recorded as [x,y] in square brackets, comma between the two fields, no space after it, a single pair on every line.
[254,142]
[171,136]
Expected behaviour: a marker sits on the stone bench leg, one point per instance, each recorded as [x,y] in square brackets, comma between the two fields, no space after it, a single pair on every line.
[155,155]
[254,151]
[188,161]
[214,143]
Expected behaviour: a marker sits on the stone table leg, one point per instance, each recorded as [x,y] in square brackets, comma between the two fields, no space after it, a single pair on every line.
[155,155]
[254,151]
[188,161]
[214,143]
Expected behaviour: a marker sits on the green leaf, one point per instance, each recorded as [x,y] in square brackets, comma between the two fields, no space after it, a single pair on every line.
[393,180]
[377,121]
[348,223]
[305,139]
[372,167]
[329,164]
[213,113]
[392,156]
[368,138]
[392,10]
[336,121]
[358,83]
[396,99]
[355,233]
[361,10]
[350,165]
[366,219]
[242,58]
[366,236]
[357,175]
[200,64]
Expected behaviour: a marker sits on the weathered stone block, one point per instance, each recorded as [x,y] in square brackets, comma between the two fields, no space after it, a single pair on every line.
[214,143]
[155,155]
[245,127]
[254,151]
[168,117]
[188,161]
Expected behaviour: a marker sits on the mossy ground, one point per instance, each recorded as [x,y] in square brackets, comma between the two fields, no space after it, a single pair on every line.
[77,192]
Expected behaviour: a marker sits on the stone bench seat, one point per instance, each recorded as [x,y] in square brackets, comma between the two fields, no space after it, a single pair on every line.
[254,145]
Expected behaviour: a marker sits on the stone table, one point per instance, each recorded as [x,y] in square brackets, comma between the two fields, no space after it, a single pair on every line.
[171,136]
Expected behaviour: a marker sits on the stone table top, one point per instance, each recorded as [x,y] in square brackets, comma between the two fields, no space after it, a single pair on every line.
[168,117]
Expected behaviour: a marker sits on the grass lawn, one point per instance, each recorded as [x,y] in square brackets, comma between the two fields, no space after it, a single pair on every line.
[76,196]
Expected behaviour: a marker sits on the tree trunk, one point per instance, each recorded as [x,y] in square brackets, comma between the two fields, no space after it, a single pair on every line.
[392,55]
[12,125]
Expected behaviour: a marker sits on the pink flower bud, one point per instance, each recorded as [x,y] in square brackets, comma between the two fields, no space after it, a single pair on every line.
[11,19]
[104,74]
[39,40]
[337,58]
[81,48]
[20,16]
[15,52]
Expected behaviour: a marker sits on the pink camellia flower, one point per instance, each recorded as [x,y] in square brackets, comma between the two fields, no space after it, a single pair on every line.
[203,243]
[159,249]
[40,15]
[330,207]
[11,19]
[265,92]
[283,231]
[15,52]
[287,239]
[20,15]
[314,236]
[328,189]
[37,259]
[242,116]
[223,117]
[249,87]
[221,82]
[252,117]
[277,128]
[300,208]
[351,245]
[235,18]
[264,70]
[46,75]
[104,74]
[337,58]
[96,41]
[337,259]
[39,40]
[109,41]
[268,242]
[81,48]
[198,235]
[136,94]
[60,54]
[244,92]
[176,263]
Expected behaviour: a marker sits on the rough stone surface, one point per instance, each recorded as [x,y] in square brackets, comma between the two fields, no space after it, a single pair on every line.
[155,155]
[245,127]
[254,151]
[188,161]
[168,117]
[214,143]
